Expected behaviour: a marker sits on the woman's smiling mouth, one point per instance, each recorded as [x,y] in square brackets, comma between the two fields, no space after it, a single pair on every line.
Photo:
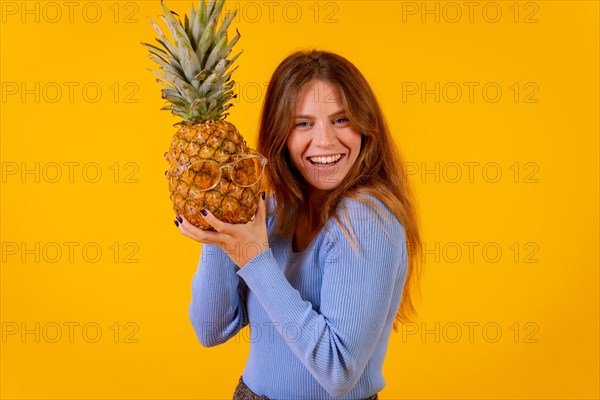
[325,160]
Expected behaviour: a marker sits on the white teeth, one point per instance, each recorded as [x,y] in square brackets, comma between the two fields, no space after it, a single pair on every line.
[325,160]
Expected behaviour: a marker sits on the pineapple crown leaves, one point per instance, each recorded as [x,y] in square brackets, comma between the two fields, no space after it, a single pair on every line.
[195,71]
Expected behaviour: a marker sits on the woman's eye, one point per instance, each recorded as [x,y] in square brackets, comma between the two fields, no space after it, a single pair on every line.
[341,120]
[302,124]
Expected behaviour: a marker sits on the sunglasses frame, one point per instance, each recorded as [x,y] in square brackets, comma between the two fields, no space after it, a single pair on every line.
[263,161]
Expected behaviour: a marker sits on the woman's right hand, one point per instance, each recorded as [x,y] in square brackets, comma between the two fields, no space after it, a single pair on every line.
[241,242]
[192,231]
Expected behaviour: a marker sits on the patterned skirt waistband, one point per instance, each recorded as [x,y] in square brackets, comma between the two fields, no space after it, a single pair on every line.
[242,392]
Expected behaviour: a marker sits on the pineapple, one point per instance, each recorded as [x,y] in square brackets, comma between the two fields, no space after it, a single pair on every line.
[196,75]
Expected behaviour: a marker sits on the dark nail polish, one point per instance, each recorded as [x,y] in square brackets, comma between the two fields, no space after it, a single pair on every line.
[203,211]
[176,223]
[264,195]
[179,218]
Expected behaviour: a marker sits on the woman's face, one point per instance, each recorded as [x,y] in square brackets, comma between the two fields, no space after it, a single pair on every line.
[323,144]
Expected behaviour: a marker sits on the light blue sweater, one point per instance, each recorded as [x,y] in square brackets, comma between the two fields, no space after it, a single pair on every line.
[319,320]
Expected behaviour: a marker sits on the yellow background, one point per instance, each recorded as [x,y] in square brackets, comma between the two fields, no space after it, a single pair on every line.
[551,211]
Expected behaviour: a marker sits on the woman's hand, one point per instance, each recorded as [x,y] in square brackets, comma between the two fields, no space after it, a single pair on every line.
[241,242]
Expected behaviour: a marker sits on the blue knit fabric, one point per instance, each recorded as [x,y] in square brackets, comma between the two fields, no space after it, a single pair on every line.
[320,319]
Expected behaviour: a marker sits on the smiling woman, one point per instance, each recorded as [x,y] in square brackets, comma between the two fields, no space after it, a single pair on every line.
[323,145]
[325,262]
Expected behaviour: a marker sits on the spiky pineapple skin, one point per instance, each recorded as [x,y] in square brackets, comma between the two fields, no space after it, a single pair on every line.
[211,140]
[195,70]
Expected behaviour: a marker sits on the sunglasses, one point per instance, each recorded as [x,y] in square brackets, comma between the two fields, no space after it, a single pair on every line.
[245,171]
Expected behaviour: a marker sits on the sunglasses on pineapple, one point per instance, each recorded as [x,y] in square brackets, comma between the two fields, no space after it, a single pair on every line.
[245,171]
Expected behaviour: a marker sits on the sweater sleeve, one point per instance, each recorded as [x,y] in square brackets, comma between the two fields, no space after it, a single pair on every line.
[217,310]
[336,341]
[218,307]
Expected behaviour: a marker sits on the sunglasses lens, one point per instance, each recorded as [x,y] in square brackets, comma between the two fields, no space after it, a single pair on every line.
[204,174]
[247,171]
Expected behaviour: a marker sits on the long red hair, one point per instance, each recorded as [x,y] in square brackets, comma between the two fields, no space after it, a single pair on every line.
[378,171]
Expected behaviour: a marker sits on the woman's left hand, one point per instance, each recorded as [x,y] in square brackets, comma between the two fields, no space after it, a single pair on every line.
[241,242]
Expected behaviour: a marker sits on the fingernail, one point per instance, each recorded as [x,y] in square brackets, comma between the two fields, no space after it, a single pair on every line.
[264,195]
[179,218]
[176,223]
[203,211]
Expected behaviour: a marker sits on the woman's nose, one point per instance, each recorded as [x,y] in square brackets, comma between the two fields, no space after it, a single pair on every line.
[324,135]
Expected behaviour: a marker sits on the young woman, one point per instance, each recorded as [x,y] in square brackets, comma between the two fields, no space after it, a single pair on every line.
[323,272]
